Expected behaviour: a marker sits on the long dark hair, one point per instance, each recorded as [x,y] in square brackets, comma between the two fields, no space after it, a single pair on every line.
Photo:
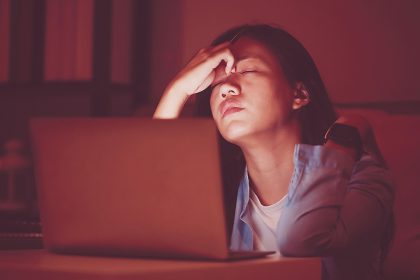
[314,118]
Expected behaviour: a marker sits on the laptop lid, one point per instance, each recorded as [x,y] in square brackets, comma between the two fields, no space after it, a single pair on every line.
[130,186]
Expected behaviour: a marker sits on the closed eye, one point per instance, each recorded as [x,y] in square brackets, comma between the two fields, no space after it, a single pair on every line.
[243,72]
[247,71]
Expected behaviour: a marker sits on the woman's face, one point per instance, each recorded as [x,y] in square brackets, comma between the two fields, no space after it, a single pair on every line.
[255,99]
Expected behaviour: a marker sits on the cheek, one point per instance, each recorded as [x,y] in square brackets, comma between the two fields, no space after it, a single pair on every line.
[273,101]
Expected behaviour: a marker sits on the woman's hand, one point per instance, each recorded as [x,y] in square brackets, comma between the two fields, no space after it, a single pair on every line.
[195,77]
[199,73]
[366,133]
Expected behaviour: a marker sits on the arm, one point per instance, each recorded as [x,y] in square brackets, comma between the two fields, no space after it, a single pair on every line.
[196,76]
[335,204]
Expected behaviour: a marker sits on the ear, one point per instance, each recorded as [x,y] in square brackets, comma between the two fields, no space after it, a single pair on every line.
[301,96]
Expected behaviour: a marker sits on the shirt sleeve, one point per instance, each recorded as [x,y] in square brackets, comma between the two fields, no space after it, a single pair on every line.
[334,203]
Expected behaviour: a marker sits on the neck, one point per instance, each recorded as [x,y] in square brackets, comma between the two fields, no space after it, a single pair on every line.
[270,163]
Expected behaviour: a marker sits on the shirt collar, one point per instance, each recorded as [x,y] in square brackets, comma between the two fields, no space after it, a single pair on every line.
[244,189]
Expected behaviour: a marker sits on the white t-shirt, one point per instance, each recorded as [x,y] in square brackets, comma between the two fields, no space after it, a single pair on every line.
[263,221]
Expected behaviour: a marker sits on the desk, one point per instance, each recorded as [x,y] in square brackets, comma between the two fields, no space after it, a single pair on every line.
[40,264]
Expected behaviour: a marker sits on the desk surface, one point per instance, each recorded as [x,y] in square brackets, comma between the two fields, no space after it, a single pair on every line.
[40,264]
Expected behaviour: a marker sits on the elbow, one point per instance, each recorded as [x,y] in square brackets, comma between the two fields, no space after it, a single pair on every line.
[298,244]
[292,247]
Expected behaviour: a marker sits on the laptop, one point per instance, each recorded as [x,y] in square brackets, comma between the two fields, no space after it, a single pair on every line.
[131,187]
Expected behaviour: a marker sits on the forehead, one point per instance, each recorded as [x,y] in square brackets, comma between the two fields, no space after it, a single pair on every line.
[246,47]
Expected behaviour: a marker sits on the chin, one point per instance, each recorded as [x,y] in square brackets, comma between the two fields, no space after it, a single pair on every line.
[234,132]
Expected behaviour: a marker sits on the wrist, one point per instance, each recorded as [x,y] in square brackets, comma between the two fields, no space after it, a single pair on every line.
[346,138]
[175,90]
[347,150]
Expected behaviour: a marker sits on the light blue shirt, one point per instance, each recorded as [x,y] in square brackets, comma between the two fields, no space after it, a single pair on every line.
[336,208]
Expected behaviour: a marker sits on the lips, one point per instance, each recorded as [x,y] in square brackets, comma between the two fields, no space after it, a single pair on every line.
[229,106]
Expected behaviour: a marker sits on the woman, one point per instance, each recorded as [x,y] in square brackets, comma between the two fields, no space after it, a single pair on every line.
[298,196]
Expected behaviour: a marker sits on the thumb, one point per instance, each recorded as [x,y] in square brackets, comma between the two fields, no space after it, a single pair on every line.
[206,83]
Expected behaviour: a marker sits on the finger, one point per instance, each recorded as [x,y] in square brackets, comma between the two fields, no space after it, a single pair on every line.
[226,56]
[229,65]
[211,50]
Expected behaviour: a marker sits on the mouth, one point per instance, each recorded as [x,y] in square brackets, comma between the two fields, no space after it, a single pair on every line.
[229,107]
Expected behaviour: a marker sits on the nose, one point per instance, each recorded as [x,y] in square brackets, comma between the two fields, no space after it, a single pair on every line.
[229,89]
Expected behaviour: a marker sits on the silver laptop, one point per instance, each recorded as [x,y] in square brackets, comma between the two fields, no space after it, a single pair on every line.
[131,187]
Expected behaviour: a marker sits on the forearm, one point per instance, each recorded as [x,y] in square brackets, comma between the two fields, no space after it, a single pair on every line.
[170,104]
